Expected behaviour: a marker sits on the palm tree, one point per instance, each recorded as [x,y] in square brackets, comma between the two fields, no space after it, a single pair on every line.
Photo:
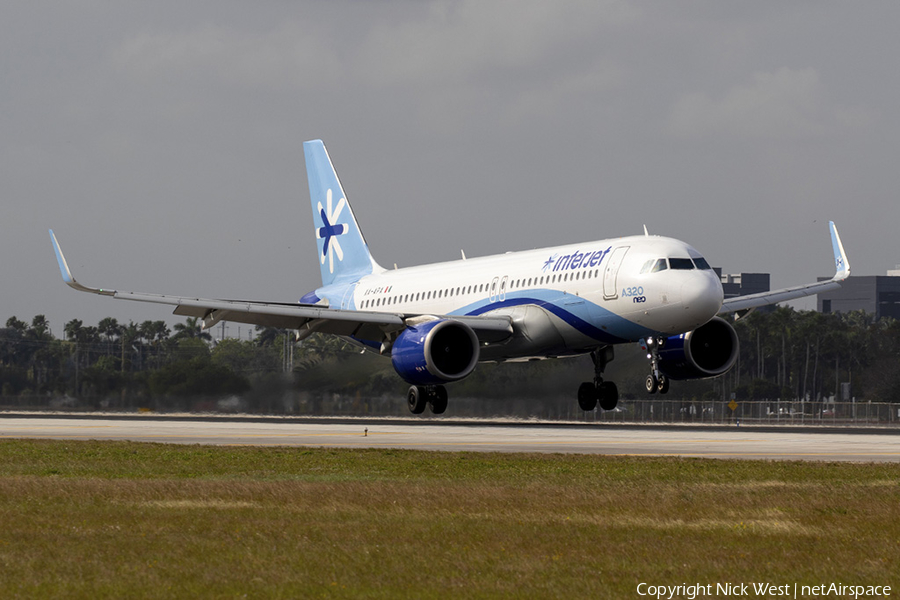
[73,329]
[191,329]
[155,332]
[109,327]
[268,335]
[14,323]
[40,328]
[130,334]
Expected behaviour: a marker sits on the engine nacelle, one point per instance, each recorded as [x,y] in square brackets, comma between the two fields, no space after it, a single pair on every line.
[435,352]
[707,351]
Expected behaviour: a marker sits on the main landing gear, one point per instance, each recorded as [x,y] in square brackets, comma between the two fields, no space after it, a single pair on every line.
[590,393]
[656,381]
[434,396]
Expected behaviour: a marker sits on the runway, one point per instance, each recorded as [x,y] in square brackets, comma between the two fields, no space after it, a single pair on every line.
[808,443]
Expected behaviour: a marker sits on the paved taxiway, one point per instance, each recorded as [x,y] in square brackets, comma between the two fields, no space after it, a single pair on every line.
[713,442]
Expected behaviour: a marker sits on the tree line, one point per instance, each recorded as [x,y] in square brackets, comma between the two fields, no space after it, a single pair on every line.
[117,365]
[798,356]
[809,356]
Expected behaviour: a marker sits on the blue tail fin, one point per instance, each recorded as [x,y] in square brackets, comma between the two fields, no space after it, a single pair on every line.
[343,252]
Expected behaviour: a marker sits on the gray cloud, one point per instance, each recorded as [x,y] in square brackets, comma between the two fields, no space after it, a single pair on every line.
[786,104]
[163,142]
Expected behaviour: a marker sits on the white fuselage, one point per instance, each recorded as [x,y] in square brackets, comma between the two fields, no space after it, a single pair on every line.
[562,300]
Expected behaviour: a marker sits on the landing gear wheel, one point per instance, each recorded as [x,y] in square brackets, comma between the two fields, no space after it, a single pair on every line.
[416,399]
[651,383]
[662,385]
[609,395]
[438,400]
[587,396]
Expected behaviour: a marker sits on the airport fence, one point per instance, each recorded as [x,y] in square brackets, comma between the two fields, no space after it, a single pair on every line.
[768,412]
[657,409]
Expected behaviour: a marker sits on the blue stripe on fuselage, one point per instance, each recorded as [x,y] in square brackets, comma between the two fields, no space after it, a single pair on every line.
[584,316]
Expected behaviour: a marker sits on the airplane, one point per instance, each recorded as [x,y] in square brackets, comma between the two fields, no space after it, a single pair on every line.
[438,321]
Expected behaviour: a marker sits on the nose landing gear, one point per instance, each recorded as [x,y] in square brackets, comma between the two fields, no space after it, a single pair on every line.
[656,381]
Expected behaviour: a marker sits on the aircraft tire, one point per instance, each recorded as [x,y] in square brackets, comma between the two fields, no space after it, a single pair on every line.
[651,384]
[587,396]
[663,384]
[609,395]
[416,400]
[438,400]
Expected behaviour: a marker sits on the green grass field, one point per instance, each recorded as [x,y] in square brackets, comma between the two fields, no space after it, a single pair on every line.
[110,519]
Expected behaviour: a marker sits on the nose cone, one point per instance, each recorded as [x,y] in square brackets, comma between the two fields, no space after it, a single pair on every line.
[701,297]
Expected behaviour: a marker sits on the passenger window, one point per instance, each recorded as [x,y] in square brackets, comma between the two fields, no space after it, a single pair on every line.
[681,264]
[660,265]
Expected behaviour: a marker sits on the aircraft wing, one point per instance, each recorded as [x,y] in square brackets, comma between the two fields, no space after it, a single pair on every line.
[842,271]
[307,318]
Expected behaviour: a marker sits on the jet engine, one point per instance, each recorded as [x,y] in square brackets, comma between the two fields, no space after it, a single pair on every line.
[707,351]
[435,352]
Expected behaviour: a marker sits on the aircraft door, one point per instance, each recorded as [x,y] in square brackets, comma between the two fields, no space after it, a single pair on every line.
[503,288]
[610,290]
[494,291]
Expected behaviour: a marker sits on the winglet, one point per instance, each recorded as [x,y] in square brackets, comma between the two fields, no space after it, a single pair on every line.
[841,263]
[67,273]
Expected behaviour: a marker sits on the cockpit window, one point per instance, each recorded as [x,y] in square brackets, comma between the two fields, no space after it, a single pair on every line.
[659,266]
[647,266]
[681,264]
[702,264]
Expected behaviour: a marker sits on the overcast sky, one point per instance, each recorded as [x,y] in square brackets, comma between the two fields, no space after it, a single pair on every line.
[162,141]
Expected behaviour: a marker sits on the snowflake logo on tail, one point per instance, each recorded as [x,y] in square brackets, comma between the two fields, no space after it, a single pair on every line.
[330,230]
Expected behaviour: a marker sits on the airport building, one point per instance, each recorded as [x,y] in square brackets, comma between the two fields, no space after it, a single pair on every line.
[742,284]
[875,294]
